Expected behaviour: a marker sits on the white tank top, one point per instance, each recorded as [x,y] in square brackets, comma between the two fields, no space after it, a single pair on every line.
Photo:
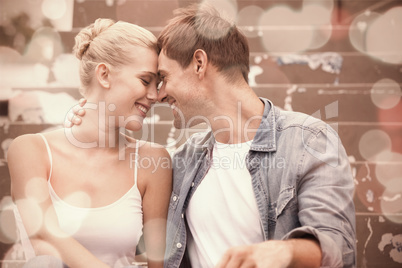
[110,232]
[223,212]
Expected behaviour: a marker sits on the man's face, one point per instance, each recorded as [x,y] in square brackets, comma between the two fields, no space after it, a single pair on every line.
[179,90]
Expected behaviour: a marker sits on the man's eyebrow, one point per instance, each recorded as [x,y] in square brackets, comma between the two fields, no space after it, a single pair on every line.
[161,72]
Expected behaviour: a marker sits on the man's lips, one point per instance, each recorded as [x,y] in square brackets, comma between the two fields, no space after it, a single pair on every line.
[174,108]
[172,103]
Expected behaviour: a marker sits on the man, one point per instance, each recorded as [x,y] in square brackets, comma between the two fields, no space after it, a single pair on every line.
[290,204]
[263,187]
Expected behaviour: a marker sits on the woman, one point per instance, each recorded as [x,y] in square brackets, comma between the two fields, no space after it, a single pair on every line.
[81,193]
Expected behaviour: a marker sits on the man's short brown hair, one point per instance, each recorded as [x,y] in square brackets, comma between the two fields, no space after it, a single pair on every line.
[202,27]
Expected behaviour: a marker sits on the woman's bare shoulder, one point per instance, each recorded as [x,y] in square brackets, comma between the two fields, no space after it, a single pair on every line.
[25,143]
[153,149]
[27,158]
[30,146]
[155,160]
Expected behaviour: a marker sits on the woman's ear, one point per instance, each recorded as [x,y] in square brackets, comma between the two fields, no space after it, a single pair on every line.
[200,60]
[103,75]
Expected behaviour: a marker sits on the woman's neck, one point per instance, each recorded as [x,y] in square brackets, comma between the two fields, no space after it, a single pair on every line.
[96,130]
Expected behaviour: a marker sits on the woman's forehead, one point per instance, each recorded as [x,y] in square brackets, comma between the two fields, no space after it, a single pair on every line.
[145,59]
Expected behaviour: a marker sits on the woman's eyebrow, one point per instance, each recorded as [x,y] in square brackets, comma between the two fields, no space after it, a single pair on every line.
[149,73]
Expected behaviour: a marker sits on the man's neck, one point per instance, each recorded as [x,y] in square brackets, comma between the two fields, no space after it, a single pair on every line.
[237,116]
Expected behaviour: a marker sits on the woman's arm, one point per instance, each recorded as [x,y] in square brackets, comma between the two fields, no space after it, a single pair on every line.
[155,206]
[28,163]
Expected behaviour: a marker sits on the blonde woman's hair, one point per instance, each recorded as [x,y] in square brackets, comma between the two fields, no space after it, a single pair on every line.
[109,42]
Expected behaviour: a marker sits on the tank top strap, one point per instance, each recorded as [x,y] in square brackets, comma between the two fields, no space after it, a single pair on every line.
[49,154]
[136,162]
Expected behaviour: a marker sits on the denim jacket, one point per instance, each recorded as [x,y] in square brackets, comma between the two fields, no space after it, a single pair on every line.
[301,180]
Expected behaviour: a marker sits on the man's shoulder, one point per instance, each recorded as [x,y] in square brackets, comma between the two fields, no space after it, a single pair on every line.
[282,119]
[288,120]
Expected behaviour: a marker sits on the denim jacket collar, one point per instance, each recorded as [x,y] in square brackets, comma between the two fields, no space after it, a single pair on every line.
[264,139]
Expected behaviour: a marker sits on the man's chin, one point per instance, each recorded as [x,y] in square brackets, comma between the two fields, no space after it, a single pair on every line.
[178,124]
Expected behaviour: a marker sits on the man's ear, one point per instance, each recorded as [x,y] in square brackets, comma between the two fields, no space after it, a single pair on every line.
[103,75]
[200,60]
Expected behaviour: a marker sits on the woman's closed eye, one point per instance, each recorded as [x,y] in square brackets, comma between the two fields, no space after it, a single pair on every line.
[145,82]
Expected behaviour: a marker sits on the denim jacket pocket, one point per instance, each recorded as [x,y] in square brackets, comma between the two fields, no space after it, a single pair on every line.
[284,200]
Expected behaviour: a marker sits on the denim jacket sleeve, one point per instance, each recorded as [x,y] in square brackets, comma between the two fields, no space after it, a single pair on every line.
[325,198]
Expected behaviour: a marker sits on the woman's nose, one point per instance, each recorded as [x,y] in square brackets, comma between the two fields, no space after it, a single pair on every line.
[152,94]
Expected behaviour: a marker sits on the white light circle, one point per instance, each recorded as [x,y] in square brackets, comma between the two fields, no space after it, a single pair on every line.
[358,30]
[248,18]
[374,142]
[384,37]
[54,9]
[385,93]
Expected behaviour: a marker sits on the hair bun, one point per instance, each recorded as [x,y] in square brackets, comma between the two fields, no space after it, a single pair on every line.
[88,34]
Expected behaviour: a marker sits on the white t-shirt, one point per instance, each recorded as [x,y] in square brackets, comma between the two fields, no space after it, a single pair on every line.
[223,212]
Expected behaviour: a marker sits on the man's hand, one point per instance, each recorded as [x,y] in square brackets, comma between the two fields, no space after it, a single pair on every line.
[274,254]
[74,116]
